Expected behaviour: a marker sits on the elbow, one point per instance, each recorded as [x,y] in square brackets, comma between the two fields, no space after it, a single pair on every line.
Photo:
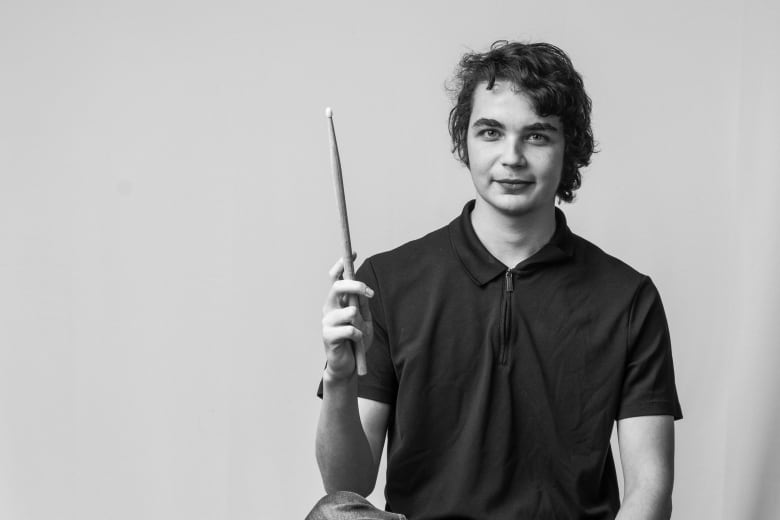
[666,513]
[346,468]
[361,489]
[359,486]
[649,501]
[339,476]
[665,502]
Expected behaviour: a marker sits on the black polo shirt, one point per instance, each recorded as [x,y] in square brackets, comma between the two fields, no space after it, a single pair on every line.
[506,383]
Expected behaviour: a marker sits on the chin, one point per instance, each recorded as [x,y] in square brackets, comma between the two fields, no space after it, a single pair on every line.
[519,205]
[516,206]
[518,211]
[514,210]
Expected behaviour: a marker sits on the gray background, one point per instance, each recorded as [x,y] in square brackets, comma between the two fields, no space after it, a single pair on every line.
[167,221]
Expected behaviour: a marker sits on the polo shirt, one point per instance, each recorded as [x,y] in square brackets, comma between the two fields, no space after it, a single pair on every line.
[505,383]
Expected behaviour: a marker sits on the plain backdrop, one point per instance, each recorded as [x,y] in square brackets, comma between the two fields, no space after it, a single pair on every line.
[167,221]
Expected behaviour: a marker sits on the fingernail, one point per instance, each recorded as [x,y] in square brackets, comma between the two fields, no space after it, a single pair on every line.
[369,292]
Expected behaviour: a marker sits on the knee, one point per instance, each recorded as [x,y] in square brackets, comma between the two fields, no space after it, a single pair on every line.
[334,505]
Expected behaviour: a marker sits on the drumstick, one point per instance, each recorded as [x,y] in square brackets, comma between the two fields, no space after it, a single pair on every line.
[358,348]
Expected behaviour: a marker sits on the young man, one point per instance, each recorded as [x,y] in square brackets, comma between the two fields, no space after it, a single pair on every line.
[503,347]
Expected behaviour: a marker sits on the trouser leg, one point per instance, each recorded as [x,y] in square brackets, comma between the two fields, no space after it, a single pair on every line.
[345,505]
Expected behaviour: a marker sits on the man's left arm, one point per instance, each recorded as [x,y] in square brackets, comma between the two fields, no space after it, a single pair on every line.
[647,457]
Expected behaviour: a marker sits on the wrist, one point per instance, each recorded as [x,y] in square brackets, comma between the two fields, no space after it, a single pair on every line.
[331,378]
[339,391]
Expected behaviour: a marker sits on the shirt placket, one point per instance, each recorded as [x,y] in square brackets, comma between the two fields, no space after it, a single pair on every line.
[506,317]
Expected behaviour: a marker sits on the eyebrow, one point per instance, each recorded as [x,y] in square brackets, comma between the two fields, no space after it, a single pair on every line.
[492,123]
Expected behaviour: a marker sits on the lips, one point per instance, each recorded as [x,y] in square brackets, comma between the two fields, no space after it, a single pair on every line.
[514,183]
[514,186]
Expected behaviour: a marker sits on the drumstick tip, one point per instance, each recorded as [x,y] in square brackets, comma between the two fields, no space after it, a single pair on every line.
[328,112]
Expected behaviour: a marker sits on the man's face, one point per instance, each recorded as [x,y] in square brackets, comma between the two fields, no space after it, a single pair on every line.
[515,156]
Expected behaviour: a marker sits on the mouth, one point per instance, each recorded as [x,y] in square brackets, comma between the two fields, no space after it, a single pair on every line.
[514,184]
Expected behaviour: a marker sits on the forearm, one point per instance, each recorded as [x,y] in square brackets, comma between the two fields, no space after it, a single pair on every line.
[647,455]
[343,451]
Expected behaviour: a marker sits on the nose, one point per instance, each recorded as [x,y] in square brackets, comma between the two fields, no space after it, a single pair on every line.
[513,155]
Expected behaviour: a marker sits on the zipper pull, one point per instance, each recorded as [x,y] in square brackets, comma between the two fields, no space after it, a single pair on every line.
[510,283]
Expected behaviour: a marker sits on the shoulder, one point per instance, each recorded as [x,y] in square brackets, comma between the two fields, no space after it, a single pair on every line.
[604,269]
[415,255]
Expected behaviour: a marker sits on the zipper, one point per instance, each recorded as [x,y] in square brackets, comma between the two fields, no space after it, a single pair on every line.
[506,317]
[510,283]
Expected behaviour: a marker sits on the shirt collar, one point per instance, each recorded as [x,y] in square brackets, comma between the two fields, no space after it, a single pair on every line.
[483,266]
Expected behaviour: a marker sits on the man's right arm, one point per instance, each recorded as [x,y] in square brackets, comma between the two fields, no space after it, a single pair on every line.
[351,431]
[350,437]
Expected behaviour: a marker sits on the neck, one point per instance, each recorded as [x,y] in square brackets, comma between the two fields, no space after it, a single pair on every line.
[512,238]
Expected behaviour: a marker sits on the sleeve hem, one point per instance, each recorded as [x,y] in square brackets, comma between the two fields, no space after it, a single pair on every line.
[651,408]
[369,392]
[376,394]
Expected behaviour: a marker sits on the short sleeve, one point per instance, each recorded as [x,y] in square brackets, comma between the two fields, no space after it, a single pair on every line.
[380,383]
[648,384]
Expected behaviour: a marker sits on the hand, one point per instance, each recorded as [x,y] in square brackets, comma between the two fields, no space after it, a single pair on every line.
[343,323]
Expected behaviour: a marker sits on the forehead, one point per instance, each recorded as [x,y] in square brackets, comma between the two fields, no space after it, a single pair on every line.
[505,103]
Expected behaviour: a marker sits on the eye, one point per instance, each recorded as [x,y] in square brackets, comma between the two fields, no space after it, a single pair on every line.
[489,134]
[537,138]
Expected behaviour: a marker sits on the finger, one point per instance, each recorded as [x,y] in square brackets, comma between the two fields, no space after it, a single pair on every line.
[334,335]
[342,288]
[337,270]
[342,316]
[355,287]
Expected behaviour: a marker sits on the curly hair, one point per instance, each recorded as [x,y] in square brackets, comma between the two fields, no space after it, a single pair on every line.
[546,75]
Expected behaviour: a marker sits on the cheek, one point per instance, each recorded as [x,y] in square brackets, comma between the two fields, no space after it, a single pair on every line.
[550,160]
[470,150]
[479,155]
[474,158]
